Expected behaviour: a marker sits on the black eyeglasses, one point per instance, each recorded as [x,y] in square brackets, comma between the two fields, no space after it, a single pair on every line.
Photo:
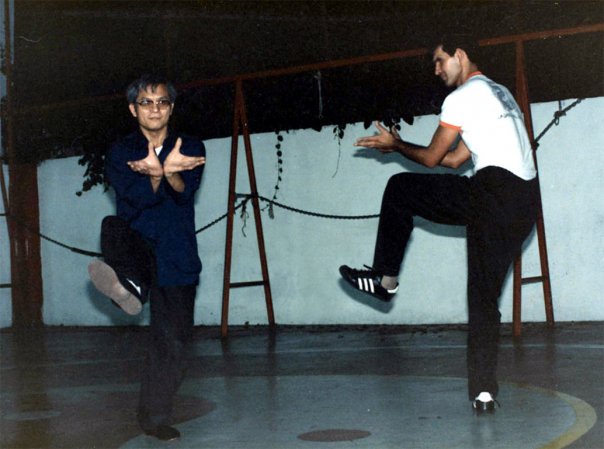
[162,103]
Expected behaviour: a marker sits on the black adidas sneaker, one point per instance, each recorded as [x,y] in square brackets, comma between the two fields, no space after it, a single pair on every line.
[368,281]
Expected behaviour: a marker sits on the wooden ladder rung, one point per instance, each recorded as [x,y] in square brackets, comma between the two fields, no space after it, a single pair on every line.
[532,280]
[246,284]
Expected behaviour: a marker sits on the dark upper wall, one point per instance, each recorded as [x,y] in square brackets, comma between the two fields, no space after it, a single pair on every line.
[67,50]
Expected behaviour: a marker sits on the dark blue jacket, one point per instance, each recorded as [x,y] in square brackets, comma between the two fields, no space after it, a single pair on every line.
[164,218]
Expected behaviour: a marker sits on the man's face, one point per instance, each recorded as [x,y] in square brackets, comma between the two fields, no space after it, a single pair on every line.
[447,67]
[152,108]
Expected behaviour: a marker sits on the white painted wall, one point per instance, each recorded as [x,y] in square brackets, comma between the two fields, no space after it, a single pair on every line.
[304,252]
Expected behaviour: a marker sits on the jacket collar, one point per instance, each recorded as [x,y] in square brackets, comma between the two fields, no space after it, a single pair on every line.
[140,141]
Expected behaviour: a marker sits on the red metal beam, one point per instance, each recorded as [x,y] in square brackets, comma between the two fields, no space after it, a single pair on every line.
[599,27]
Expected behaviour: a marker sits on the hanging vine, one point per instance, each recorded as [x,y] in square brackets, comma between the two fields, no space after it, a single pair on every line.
[279,154]
[338,134]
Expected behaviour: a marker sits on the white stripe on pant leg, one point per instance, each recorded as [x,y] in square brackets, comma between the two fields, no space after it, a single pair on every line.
[360,283]
[370,281]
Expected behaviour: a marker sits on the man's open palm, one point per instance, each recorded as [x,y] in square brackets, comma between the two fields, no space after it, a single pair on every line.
[149,166]
[177,162]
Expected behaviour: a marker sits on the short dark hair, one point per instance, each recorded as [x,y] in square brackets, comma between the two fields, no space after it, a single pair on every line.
[149,80]
[452,41]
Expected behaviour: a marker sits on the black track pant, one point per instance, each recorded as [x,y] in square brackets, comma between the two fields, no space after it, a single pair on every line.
[171,327]
[498,210]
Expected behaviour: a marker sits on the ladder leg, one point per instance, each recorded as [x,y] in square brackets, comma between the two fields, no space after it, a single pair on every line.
[226,286]
[524,103]
[547,288]
[257,216]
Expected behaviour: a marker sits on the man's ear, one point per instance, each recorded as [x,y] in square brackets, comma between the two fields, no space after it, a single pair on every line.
[132,110]
[461,54]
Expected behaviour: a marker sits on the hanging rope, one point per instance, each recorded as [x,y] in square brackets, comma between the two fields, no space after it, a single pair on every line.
[56,242]
[249,196]
[94,253]
[556,120]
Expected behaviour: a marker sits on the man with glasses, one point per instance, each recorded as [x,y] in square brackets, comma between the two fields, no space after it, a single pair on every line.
[150,247]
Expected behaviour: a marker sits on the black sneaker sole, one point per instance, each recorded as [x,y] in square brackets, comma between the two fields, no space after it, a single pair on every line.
[484,407]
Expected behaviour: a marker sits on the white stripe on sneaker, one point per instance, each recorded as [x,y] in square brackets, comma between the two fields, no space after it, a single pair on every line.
[138,289]
[365,285]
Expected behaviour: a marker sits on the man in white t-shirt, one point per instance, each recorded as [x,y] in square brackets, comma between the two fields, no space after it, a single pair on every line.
[498,204]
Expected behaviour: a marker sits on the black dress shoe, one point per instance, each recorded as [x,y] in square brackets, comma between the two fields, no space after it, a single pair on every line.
[164,433]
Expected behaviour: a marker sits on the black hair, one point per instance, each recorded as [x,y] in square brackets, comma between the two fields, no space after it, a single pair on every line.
[149,80]
[452,41]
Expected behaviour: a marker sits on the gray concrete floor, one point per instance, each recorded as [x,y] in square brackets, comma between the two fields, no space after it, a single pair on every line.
[306,387]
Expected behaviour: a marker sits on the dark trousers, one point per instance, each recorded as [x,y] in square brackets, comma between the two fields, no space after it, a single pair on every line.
[171,329]
[498,210]
[171,326]
[130,256]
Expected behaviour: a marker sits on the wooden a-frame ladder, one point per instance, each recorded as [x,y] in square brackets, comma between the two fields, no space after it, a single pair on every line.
[240,123]
[518,281]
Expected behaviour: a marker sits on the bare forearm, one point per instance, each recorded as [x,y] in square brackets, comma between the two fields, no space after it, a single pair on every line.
[457,157]
[430,156]
[417,153]
[155,182]
[176,182]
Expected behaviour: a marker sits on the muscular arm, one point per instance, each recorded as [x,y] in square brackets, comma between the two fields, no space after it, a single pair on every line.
[436,153]
[455,158]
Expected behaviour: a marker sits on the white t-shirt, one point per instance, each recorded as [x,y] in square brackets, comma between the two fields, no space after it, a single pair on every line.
[491,125]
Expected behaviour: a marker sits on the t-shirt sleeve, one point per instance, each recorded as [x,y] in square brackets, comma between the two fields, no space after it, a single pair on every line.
[451,113]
